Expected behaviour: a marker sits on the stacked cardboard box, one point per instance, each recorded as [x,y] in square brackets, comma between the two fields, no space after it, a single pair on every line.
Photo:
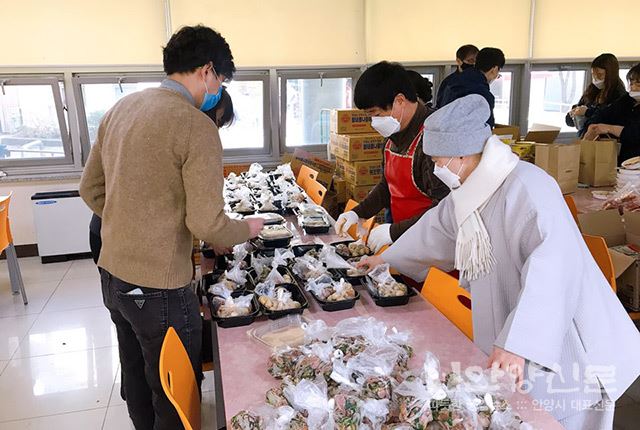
[358,150]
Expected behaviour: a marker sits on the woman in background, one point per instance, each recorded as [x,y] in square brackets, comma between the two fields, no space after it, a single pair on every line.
[605,88]
[424,88]
[621,119]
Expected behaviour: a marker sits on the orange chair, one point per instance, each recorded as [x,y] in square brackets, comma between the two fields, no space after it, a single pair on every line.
[573,209]
[179,381]
[367,225]
[600,252]
[6,244]
[316,191]
[443,292]
[306,174]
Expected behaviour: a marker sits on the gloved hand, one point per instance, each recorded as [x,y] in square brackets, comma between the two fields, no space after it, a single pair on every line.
[379,237]
[345,221]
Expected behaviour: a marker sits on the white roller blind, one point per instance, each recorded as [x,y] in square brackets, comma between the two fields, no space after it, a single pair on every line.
[584,29]
[428,30]
[37,32]
[282,32]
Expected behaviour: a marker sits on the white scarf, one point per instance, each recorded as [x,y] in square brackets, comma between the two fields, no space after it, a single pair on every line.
[474,255]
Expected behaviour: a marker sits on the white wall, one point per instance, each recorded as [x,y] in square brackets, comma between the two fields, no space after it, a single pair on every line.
[20,210]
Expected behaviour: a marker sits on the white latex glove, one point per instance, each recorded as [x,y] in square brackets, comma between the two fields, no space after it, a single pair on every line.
[345,221]
[379,237]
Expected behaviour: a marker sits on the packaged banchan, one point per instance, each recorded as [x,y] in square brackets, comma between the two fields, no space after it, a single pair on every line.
[357,147]
[348,121]
[359,192]
[622,234]
[360,172]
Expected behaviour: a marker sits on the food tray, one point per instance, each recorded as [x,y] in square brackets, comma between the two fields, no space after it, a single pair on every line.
[279,210]
[236,321]
[390,301]
[336,306]
[316,230]
[353,280]
[211,278]
[297,295]
[270,218]
[280,242]
[300,250]
[347,242]
[282,270]
[286,331]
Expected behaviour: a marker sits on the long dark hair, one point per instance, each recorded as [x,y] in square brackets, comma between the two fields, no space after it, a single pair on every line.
[612,81]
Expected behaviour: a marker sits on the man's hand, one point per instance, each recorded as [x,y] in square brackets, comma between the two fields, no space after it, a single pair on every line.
[370,263]
[255,226]
[507,362]
[221,250]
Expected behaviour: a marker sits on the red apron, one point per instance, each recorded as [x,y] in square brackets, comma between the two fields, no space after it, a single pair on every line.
[407,200]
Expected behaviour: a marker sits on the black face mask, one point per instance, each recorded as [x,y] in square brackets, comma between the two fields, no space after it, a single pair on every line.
[465,66]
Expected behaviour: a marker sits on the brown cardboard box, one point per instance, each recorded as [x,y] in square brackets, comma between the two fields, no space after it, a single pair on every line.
[507,133]
[326,169]
[349,121]
[622,234]
[560,161]
[235,168]
[359,192]
[339,186]
[541,133]
[598,162]
[357,147]
[360,172]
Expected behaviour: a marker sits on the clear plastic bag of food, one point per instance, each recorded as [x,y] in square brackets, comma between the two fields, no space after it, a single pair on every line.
[627,198]
[226,306]
[261,266]
[275,277]
[282,256]
[311,398]
[308,267]
[317,330]
[275,298]
[321,286]
[255,169]
[431,376]
[414,403]
[347,411]
[382,283]
[332,260]
[374,414]
[237,274]
[240,252]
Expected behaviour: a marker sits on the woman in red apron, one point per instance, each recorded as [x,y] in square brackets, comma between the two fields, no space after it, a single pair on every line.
[408,187]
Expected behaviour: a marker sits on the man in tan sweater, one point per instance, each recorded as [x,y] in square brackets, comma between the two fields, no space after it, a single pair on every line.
[154,151]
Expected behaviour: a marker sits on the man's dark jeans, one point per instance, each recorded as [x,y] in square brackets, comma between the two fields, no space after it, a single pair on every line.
[141,322]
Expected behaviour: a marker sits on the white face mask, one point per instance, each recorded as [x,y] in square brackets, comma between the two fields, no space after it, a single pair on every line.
[599,83]
[450,179]
[386,125]
[635,95]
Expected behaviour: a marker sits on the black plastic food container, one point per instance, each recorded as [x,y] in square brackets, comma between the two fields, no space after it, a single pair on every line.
[390,301]
[236,321]
[336,306]
[297,295]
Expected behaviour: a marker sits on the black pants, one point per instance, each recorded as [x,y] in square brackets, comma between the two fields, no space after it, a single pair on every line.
[141,322]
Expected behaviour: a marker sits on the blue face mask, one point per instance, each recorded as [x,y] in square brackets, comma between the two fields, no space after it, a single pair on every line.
[210,100]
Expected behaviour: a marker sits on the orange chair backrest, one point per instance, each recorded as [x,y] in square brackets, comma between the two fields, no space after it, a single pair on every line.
[5,229]
[179,381]
[600,252]
[369,225]
[443,292]
[316,191]
[573,209]
[306,174]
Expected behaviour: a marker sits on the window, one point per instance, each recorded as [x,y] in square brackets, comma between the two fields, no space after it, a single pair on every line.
[98,94]
[250,129]
[303,99]
[33,126]
[501,89]
[623,76]
[552,94]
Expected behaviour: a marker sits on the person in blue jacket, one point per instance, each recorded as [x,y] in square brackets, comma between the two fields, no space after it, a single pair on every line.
[465,59]
[476,80]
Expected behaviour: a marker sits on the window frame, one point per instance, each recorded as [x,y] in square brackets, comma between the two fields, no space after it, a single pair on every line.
[80,79]
[566,136]
[238,154]
[18,166]
[283,75]
[516,70]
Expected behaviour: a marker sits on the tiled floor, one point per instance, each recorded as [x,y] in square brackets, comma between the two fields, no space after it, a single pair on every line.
[59,363]
[59,366]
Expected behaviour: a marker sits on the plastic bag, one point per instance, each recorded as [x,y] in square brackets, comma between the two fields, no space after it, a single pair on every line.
[372,330]
[414,403]
[285,170]
[311,397]
[322,286]
[281,257]
[240,252]
[308,267]
[374,414]
[381,274]
[229,306]
[274,277]
[627,197]
[237,274]
[431,376]
[317,330]
[332,260]
[254,169]
[259,264]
